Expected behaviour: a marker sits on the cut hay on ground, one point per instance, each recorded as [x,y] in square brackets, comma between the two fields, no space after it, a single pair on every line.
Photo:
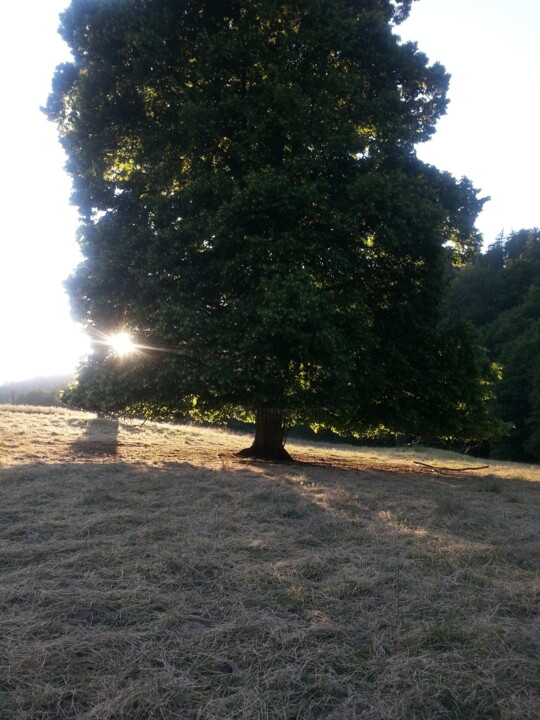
[145,572]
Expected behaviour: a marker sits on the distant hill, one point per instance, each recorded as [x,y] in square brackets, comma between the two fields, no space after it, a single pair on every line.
[35,391]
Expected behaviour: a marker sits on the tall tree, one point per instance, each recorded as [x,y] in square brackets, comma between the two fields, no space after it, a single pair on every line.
[251,201]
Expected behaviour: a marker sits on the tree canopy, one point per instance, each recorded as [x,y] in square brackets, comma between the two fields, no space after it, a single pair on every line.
[251,202]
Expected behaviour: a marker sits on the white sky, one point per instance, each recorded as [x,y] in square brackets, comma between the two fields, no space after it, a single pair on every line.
[490,134]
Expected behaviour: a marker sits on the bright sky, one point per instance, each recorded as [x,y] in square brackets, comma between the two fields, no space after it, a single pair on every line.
[490,134]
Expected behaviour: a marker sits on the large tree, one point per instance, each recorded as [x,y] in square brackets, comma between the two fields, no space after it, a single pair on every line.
[252,203]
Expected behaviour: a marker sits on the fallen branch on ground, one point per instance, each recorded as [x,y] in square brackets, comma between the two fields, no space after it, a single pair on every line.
[439,467]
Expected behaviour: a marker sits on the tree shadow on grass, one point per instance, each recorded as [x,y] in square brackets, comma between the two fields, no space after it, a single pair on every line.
[261,592]
[100,439]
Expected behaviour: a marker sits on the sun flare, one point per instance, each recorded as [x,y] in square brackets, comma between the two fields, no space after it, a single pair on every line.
[121,344]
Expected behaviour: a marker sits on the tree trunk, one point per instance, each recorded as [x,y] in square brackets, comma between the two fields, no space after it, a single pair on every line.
[269,437]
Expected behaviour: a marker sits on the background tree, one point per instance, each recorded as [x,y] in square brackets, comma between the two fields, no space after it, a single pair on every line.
[500,294]
[251,201]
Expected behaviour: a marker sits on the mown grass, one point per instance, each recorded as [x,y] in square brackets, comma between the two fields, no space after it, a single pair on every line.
[148,573]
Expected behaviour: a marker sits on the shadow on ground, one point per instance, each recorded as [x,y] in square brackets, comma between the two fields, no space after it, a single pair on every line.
[295,593]
[100,439]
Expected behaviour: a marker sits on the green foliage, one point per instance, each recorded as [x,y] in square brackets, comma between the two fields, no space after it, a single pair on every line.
[251,201]
[500,294]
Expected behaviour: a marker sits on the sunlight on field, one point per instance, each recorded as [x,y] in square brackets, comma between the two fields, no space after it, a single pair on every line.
[148,572]
[45,434]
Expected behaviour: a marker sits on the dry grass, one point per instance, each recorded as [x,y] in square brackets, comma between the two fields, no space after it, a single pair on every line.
[148,573]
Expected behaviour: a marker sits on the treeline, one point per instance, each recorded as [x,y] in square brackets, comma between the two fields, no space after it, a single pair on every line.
[42,391]
[499,293]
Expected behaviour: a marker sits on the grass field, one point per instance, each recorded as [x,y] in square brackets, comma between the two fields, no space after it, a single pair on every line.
[148,573]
